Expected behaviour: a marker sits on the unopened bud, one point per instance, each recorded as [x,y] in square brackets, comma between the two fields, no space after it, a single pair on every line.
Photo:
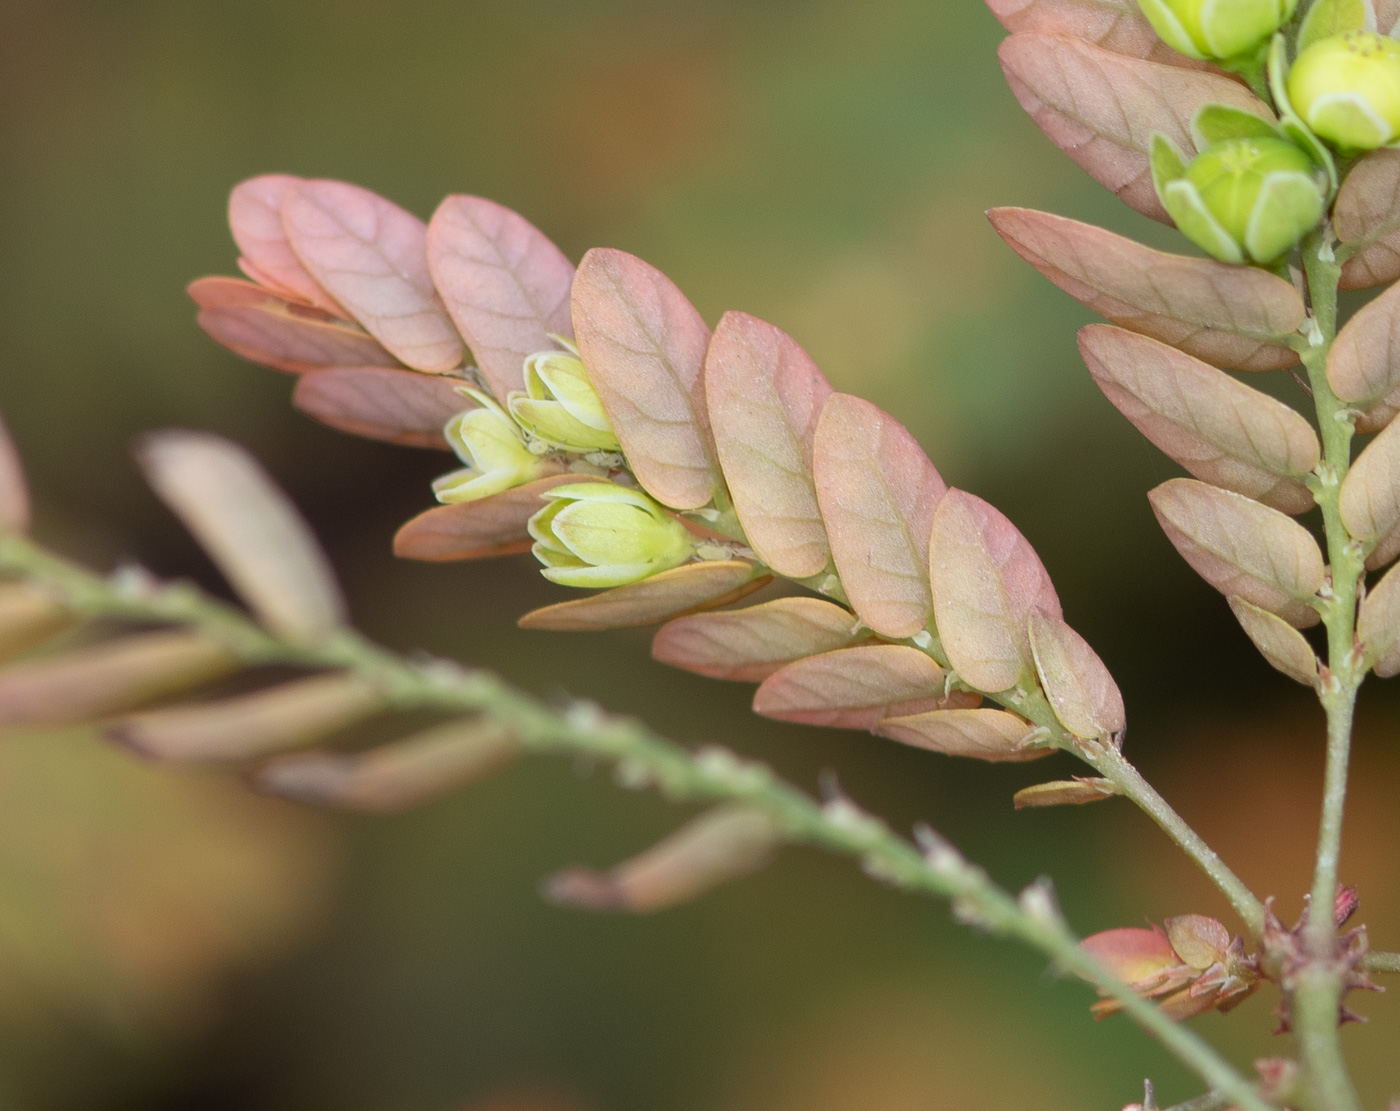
[395,776]
[1208,29]
[560,405]
[1241,200]
[1347,89]
[251,725]
[93,682]
[496,456]
[28,617]
[599,534]
[719,846]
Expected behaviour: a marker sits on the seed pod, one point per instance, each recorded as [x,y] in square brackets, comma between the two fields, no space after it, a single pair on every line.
[93,682]
[1216,31]
[1347,89]
[396,776]
[28,617]
[722,845]
[251,725]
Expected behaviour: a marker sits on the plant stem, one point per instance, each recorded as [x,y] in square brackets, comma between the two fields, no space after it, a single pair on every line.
[1315,989]
[1381,962]
[642,758]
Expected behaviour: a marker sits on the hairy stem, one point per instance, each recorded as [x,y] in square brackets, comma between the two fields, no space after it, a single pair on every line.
[1315,990]
[642,758]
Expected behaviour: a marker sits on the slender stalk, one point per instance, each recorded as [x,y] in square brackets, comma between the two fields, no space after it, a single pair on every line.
[643,758]
[1381,962]
[1315,989]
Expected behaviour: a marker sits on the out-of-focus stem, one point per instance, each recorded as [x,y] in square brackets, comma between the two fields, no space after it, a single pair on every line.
[643,758]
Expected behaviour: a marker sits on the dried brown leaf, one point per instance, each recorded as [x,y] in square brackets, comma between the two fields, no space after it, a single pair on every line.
[504,283]
[1366,219]
[719,846]
[400,406]
[493,526]
[751,644]
[1370,498]
[644,346]
[1064,792]
[266,327]
[1220,430]
[1278,642]
[14,490]
[878,492]
[396,776]
[765,395]
[1103,108]
[1231,316]
[682,590]
[372,257]
[1080,688]
[991,735]
[249,726]
[255,218]
[1242,548]
[853,688]
[987,580]
[1364,365]
[107,678]
[1378,625]
[250,529]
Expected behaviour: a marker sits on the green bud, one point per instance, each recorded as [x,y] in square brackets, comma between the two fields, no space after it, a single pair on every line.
[560,405]
[490,445]
[599,534]
[1347,89]
[1241,200]
[1215,29]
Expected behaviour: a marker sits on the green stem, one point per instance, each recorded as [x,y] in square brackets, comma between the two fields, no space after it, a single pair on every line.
[1381,962]
[1315,989]
[643,758]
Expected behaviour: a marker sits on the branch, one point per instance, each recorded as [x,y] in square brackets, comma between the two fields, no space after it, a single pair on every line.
[643,758]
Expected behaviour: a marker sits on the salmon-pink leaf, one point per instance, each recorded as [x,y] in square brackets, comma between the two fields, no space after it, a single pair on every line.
[1241,547]
[765,395]
[644,346]
[878,492]
[14,490]
[1364,365]
[270,328]
[1378,625]
[682,590]
[482,529]
[255,218]
[1370,499]
[1064,792]
[1236,317]
[986,581]
[1278,642]
[372,257]
[1366,219]
[1102,108]
[504,283]
[400,406]
[1116,25]
[751,644]
[1219,429]
[854,688]
[1080,688]
[991,735]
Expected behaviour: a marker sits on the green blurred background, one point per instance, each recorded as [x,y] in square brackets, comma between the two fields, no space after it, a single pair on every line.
[168,941]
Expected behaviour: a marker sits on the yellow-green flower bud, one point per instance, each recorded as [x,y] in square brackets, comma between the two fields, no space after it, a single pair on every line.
[490,445]
[560,405]
[1347,89]
[1215,29]
[599,534]
[1241,200]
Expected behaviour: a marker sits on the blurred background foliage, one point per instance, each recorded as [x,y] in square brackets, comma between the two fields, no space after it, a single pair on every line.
[168,941]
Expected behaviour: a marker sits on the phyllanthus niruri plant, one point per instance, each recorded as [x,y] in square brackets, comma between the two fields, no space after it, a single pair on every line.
[604,427]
